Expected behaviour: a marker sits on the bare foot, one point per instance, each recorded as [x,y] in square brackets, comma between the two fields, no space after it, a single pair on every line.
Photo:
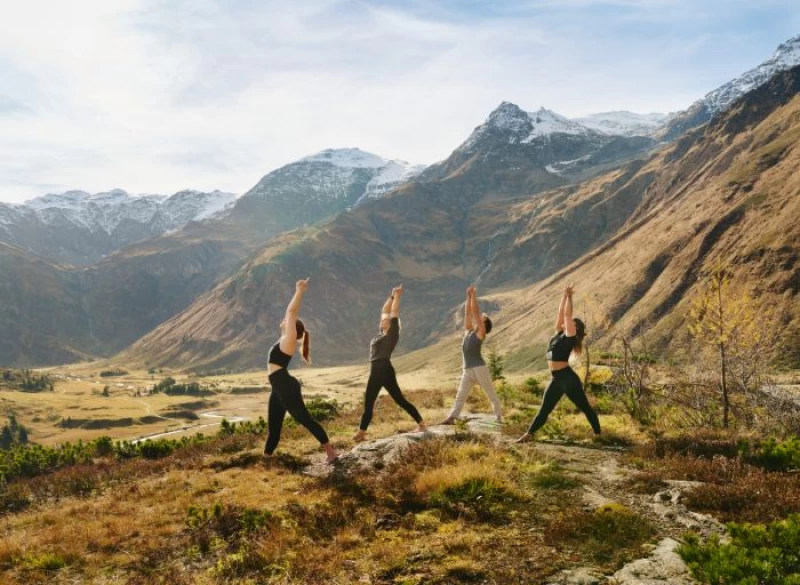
[524,438]
[421,428]
[450,420]
[330,452]
[360,436]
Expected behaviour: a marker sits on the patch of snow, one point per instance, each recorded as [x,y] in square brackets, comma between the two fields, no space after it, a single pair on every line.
[332,175]
[552,170]
[353,158]
[520,127]
[785,57]
[622,123]
[105,211]
[393,174]
[546,122]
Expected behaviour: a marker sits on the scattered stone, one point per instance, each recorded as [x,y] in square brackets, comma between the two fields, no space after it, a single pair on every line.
[594,499]
[667,505]
[581,576]
[378,453]
[664,565]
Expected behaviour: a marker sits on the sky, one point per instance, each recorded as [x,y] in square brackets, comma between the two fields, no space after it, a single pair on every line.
[155,96]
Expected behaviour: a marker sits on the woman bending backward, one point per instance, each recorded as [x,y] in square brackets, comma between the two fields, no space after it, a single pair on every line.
[381,372]
[477,327]
[568,338]
[286,395]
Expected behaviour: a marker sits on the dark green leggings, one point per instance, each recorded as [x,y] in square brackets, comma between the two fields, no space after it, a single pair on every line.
[567,382]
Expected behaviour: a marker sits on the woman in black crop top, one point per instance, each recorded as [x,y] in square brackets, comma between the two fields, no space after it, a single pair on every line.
[381,373]
[286,395]
[568,338]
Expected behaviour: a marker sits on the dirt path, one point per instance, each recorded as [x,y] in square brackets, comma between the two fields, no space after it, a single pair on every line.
[605,475]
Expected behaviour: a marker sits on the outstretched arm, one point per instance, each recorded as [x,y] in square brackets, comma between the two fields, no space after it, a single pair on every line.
[289,339]
[468,309]
[387,306]
[560,318]
[476,315]
[569,324]
[397,292]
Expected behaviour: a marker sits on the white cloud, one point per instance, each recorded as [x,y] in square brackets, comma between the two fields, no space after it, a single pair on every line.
[155,96]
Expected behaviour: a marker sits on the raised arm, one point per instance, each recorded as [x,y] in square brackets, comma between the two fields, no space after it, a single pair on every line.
[476,315]
[569,323]
[397,292]
[468,309]
[560,318]
[289,338]
[387,306]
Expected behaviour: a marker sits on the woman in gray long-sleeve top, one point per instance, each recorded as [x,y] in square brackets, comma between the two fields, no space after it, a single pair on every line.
[381,373]
[477,326]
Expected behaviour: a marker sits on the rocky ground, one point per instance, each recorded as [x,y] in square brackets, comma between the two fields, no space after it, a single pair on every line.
[604,476]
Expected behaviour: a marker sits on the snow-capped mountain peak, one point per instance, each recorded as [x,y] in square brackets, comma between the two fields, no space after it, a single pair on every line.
[354,158]
[546,122]
[107,210]
[508,117]
[785,57]
[513,125]
[330,181]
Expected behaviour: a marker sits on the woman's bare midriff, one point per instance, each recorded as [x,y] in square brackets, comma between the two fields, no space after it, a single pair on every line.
[556,366]
[272,368]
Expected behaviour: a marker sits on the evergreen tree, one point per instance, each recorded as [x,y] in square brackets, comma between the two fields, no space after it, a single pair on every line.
[496,366]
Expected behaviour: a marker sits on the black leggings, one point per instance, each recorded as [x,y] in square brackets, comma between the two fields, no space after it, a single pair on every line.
[381,375]
[286,396]
[567,382]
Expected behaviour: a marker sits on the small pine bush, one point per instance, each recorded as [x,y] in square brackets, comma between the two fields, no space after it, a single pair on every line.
[322,409]
[755,554]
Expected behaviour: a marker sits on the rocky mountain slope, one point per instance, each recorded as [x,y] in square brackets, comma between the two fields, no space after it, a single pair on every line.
[786,56]
[640,235]
[123,296]
[320,185]
[81,228]
[525,195]
[727,193]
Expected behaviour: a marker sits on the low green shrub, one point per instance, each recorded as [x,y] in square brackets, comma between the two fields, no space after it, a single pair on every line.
[533,386]
[772,454]
[603,533]
[755,554]
[113,372]
[156,449]
[322,409]
[478,497]
[46,561]
[553,478]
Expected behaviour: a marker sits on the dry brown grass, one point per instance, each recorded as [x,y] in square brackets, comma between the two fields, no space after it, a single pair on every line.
[449,511]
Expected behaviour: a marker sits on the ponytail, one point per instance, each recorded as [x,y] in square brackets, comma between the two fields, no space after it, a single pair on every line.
[580,333]
[307,347]
[305,335]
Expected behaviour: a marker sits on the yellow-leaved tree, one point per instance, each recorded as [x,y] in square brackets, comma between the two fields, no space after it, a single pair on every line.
[738,334]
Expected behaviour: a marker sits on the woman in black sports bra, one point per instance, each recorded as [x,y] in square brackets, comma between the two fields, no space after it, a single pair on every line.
[286,395]
[381,371]
[568,338]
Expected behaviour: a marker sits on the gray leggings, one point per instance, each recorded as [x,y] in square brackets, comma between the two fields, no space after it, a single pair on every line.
[567,382]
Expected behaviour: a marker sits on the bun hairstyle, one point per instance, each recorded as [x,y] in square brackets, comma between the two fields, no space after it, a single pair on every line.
[305,335]
[487,324]
[580,333]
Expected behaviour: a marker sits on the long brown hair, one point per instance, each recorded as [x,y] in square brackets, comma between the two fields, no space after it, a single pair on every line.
[305,335]
[580,333]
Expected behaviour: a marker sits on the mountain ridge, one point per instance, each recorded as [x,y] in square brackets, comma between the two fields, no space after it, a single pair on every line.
[358,254]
